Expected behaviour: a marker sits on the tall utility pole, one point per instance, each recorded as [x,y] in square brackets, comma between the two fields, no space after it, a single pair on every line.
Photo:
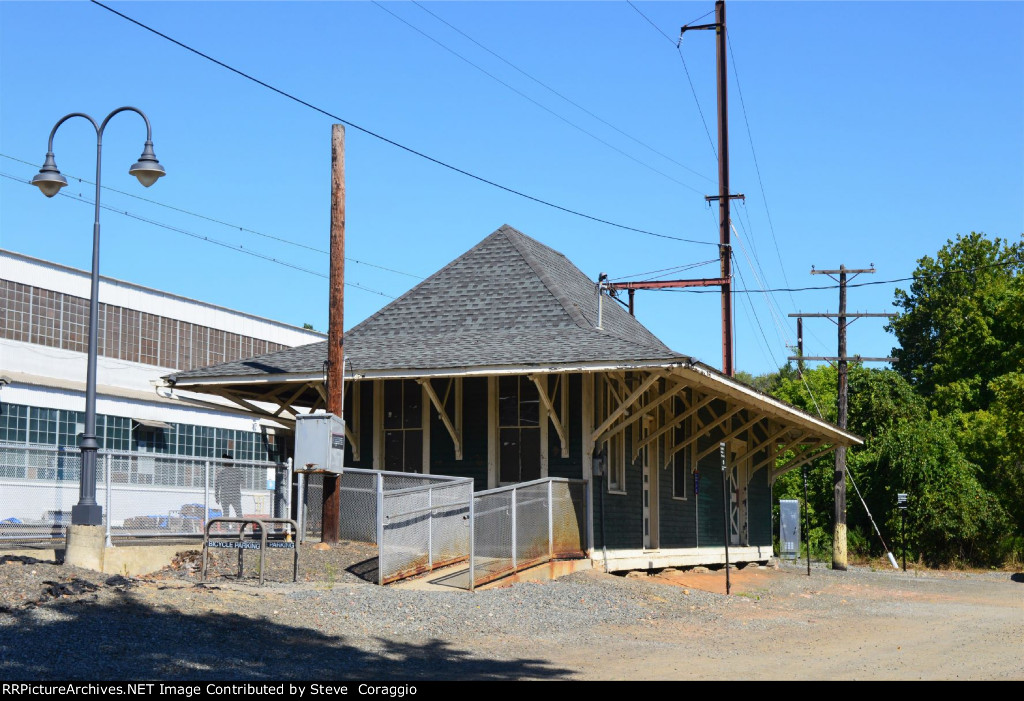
[724,198]
[839,559]
[331,523]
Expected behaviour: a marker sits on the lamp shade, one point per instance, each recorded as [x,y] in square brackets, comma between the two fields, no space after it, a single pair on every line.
[49,180]
[148,169]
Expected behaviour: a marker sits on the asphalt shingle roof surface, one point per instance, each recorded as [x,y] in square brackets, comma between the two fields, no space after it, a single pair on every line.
[510,300]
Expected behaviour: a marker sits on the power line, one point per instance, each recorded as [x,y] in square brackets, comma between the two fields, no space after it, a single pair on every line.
[394,143]
[224,223]
[665,271]
[757,168]
[230,247]
[530,99]
[676,43]
[560,95]
[1004,264]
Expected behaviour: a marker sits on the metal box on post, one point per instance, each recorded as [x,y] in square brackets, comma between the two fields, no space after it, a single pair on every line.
[789,529]
[319,442]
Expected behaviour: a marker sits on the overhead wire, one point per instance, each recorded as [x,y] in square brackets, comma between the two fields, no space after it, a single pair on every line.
[535,102]
[279,239]
[757,167]
[396,144]
[201,237]
[677,44]
[559,94]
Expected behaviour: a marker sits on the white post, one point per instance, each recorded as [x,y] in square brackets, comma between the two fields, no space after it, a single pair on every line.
[472,540]
[106,484]
[301,514]
[430,528]
[380,527]
[514,565]
[206,495]
[551,524]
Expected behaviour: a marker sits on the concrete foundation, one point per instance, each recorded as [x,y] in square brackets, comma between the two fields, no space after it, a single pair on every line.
[86,548]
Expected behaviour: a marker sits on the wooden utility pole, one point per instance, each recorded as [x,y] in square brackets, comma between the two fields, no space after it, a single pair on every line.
[331,516]
[724,198]
[839,555]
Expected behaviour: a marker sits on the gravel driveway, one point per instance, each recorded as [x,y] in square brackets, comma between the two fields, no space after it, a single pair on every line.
[62,623]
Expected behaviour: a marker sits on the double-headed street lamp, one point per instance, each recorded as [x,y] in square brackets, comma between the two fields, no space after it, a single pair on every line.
[87,512]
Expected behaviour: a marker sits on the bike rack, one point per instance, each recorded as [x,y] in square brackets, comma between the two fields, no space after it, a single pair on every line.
[241,544]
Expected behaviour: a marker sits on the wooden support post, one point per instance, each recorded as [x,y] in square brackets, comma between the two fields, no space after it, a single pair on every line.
[336,326]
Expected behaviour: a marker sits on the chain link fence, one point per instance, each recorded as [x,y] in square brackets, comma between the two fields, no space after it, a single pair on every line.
[418,522]
[526,524]
[142,494]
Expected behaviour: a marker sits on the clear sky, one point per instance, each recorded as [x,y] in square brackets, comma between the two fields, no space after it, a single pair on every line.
[880,130]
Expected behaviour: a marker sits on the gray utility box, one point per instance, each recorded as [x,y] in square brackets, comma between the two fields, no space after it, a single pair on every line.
[319,442]
[789,529]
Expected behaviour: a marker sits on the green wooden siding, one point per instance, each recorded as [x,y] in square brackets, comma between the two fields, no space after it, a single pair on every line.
[572,466]
[474,434]
[759,496]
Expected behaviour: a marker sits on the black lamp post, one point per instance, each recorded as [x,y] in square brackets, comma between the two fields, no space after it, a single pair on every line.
[49,180]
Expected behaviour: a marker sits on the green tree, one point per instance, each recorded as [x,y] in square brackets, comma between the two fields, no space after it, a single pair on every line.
[961,324]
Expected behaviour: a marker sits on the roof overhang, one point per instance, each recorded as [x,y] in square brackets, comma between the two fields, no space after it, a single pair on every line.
[256,387]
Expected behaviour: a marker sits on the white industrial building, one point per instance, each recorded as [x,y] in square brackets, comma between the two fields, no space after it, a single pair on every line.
[144,334]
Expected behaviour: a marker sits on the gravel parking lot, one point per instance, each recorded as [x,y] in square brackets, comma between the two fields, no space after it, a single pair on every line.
[61,623]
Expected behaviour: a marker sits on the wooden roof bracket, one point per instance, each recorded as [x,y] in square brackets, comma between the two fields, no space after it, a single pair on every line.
[556,420]
[624,406]
[678,420]
[773,455]
[436,401]
[732,434]
[801,459]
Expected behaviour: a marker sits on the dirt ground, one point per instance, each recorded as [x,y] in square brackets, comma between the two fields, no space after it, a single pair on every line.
[862,624]
[778,623]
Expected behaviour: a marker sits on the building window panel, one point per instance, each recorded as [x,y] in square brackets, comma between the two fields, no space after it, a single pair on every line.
[46,314]
[75,324]
[614,447]
[518,430]
[215,354]
[129,347]
[168,343]
[13,423]
[403,426]
[149,338]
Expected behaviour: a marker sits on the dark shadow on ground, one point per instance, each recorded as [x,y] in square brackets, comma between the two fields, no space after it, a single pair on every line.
[365,570]
[126,639]
[1017,577]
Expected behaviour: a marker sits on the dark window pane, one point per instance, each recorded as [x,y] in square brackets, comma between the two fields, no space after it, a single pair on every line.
[508,401]
[679,475]
[509,458]
[413,451]
[393,454]
[392,404]
[412,404]
[529,456]
[529,403]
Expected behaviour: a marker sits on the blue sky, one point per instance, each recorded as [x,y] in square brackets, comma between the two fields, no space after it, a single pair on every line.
[880,129]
